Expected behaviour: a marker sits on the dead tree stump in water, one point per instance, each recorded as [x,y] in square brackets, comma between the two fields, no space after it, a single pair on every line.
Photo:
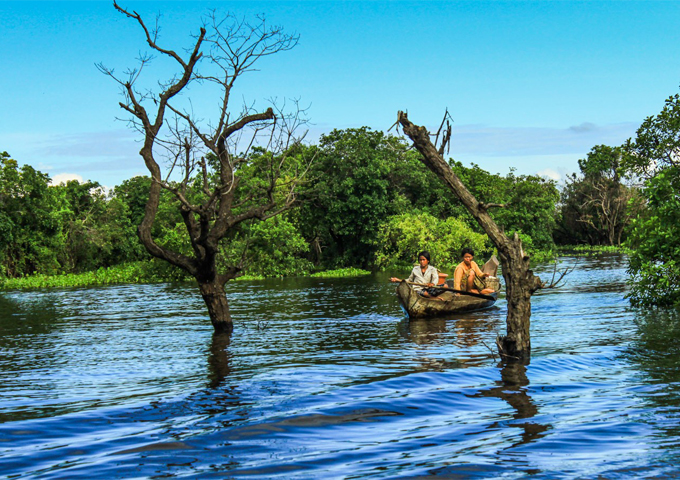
[520,281]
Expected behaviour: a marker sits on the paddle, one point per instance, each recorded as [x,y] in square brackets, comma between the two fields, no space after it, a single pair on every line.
[462,292]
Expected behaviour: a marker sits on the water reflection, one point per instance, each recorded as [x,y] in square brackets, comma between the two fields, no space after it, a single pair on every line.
[424,331]
[512,388]
[471,331]
[463,331]
[656,352]
[468,332]
[219,359]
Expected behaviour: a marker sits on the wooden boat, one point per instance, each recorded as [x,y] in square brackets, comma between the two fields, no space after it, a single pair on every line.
[416,306]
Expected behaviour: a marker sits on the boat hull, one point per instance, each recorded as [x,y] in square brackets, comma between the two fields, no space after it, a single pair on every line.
[416,306]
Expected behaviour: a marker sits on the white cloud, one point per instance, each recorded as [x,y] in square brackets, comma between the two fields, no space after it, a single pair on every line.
[65,177]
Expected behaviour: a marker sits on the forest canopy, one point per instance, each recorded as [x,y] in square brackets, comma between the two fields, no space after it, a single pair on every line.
[368,202]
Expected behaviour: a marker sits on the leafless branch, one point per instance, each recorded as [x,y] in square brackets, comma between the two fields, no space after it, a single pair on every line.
[560,274]
[444,145]
[493,354]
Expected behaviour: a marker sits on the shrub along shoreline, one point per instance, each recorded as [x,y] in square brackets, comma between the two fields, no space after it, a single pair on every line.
[133,273]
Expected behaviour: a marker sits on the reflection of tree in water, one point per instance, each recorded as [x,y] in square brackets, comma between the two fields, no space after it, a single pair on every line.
[471,331]
[219,360]
[223,401]
[656,354]
[512,389]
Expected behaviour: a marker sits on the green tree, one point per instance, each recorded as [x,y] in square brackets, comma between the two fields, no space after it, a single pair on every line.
[364,177]
[598,206]
[352,195]
[530,209]
[134,192]
[176,135]
[654,264]
[29,222]
[272,248]
[657,143]
[400,239]
[528,202]
[655,240]
[81,206]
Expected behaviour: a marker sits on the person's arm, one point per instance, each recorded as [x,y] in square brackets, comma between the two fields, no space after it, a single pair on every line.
[399,280]
[457,277]
[478,271]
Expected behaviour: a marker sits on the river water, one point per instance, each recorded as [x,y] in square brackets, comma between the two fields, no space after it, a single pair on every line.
[325,379]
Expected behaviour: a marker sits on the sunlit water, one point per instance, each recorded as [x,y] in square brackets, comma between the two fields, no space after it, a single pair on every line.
[325,379]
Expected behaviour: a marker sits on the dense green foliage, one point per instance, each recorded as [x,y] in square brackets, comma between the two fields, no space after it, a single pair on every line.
[69,228]
[657,143]
[30,236]
[366,182]
[402,236]
[367,202]
[597,205]
[271,248]
[354,191]
[655,236]
[655,262]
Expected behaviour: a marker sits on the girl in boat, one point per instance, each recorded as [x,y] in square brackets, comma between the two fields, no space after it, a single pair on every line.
[468,276]
[423,273]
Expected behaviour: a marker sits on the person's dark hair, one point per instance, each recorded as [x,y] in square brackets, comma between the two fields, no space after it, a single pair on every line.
[465,251]
[425,254]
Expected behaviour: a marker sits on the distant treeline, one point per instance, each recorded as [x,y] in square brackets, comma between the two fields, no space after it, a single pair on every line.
[366,202]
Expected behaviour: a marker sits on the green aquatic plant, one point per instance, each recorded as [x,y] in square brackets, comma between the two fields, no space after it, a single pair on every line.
[341,272]
[135,272]
[590,250]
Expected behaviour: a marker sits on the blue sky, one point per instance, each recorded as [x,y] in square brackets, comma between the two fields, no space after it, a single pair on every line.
[531,85]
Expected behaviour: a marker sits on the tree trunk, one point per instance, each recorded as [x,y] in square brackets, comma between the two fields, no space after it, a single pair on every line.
[218,307]
[520,281]
[520,284]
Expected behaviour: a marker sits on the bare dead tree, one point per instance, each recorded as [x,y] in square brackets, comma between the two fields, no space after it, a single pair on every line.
[212,152]
[520,281]
[610,201]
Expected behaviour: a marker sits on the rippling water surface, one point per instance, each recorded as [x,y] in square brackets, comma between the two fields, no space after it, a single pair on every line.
[325,379]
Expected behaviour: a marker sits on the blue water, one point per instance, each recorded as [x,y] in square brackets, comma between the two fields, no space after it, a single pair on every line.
[325,379]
